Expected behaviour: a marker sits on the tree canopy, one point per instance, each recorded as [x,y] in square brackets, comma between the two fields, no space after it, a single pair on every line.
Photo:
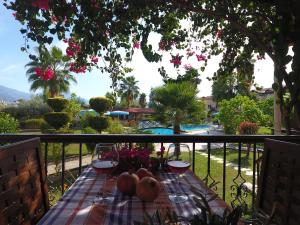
[239,30]
[176,103]
[237,110]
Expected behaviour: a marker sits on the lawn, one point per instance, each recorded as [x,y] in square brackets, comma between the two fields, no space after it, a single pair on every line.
[217,174]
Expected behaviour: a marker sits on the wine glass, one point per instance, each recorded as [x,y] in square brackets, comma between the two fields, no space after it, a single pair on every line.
[178,165]
[105,159]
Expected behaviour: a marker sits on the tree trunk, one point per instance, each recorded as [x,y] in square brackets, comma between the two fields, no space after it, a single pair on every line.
[176,130]
[277,112]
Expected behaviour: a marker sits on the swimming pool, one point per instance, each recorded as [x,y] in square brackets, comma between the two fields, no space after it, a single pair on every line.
[159,130]
[186,127]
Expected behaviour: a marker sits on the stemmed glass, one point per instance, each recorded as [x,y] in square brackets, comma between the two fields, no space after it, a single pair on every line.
[105,159]
[178,165]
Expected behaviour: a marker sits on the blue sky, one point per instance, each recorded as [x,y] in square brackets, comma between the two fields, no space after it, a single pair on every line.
[12,62]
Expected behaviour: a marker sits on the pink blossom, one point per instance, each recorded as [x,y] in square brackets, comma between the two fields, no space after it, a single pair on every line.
[201,57]
[162,45]
[39,71]
[219,33]
[94,59]
[261,57]
[14,14]
[136,44]
[41,4]
[49,74]
[176,60]
[187,66]
[189,52]
[77,69]
[53,19]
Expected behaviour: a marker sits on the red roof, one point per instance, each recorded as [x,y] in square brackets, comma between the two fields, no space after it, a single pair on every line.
[140,110]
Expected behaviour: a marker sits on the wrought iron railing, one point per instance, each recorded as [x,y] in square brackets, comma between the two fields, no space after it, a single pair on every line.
[237,190]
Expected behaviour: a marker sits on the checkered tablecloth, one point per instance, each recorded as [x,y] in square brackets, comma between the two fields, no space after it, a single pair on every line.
[77,204]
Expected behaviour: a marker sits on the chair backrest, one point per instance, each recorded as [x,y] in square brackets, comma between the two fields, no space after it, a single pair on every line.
[279,185]
[23,185]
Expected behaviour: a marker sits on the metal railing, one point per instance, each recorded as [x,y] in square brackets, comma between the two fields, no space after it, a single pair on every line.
[238,192]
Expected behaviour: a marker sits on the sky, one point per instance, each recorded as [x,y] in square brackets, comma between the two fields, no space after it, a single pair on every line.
[90,84]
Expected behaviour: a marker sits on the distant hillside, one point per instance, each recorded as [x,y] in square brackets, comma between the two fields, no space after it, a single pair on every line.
[10,95]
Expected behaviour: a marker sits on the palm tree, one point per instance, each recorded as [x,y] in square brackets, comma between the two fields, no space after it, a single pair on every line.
[128,89]
[176,102]
[59,64]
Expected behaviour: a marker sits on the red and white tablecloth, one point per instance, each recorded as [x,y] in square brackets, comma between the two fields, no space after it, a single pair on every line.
[77,207]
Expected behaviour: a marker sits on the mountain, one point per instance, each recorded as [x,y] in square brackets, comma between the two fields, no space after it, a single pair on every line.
[10,94]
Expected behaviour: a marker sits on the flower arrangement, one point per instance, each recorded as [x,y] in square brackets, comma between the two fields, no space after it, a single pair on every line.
[133,158]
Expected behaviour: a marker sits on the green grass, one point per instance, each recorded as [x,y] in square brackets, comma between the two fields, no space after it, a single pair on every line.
[264,130]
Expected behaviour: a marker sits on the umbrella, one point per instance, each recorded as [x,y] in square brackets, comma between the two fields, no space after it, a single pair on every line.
[117,113]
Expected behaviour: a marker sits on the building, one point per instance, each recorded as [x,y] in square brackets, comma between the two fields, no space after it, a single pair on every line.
[139,113]
[210,104]
[264,93]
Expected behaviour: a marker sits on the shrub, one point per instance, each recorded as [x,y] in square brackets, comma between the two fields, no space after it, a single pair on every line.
[57,119]
[100,104]
[115,127]
[248,128]
[58,104]
[90,146]
[8,124]
[33,108]
[98,123]
[32,124]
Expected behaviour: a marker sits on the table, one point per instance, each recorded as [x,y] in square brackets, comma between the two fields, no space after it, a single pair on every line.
[76,205]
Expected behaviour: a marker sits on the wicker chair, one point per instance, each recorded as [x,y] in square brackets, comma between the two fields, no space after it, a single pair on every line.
[23,186]
[279,185]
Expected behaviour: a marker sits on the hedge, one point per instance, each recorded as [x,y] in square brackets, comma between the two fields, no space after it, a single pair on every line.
[57,119]
[58,104]
[100,104]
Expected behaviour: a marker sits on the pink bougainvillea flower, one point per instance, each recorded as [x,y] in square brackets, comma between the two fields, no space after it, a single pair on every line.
[77,69]
[94,59]
[39,71]
[261,57]
[49,74]
[219,33]
[190,52]
[173,42]
[41,4]
[201,57]
[176,60]
[136,44]
[14,14]
[187,66]
[53,19]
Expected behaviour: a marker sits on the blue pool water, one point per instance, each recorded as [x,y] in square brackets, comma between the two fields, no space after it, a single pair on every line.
[160,130]
[186,127]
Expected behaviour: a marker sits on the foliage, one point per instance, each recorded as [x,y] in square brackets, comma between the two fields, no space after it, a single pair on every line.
[113,97]
[241,30]
[267,107]
[8,124]
[142,100]
[89,146]
[73,106]
[59,64]
[33,108]
[237,110]
[128,90]
[100,104]
[58,104]
[57,119]
[176,103]
[98,123]
[248,128]
[115,127]
[32,124]
[206,217]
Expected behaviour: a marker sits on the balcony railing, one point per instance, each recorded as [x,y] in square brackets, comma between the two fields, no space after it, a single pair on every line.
[237,190]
